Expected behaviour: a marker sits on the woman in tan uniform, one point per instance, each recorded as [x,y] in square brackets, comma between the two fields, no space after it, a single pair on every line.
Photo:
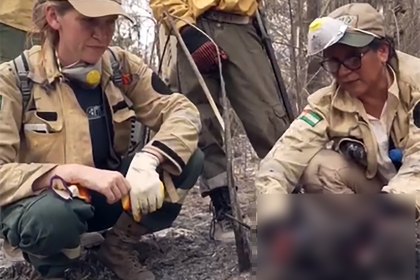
[370,113]
[359,135]
[68,131]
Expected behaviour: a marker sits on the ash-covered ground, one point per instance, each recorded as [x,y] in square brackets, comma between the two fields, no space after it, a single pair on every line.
[184,251]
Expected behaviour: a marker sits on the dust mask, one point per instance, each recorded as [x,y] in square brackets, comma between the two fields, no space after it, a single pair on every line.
[86,74]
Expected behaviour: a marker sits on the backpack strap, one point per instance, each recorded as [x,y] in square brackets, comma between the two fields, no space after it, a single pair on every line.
[24,83]
[137,130]
[117,76]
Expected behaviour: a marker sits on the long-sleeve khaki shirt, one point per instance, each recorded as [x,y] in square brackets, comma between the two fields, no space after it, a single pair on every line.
[332,113]
[26,155]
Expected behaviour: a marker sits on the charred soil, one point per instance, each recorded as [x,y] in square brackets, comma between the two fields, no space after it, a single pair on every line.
[184,251]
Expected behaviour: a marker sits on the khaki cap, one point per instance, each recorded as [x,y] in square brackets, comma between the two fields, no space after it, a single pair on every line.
[99,8]
[365,24]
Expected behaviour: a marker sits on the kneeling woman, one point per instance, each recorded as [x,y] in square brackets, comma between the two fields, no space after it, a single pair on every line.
[74,133]
[368,113]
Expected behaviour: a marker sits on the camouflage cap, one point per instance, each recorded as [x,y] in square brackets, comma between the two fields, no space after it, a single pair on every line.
[364,22]
[99,8]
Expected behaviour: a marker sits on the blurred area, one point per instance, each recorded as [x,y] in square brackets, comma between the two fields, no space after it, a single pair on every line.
[346,237]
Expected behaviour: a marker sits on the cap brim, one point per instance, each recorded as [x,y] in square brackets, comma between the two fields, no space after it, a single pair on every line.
[99,8]
[356,39]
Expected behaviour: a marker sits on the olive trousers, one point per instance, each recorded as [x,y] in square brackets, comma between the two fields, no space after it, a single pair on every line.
[250,87]
[47,229]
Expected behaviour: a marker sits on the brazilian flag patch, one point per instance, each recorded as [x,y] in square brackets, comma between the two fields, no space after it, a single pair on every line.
[310,117]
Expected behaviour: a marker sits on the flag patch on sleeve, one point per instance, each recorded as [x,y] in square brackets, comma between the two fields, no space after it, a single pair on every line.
[310,117]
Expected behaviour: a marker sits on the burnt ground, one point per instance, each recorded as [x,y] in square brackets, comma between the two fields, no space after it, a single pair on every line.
[184,251]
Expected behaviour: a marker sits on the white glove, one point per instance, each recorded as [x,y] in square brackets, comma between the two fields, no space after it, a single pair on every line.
[147,191]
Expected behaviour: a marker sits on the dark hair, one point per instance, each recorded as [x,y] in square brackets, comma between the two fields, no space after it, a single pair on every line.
[378,43]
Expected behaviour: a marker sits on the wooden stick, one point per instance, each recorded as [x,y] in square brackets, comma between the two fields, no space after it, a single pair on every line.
[243,248]
[196,71]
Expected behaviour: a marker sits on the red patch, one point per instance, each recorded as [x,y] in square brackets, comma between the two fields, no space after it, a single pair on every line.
[127,79]
[306,111]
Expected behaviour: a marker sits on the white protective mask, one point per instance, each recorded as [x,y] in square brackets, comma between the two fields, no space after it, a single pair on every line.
[324,32]
[86,74]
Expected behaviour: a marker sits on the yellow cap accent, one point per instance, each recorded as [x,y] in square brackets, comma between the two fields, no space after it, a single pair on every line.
[93,78]
[316,24]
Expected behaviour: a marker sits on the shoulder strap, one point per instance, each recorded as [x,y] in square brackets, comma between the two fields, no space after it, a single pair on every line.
[117,76]
[25,84]
[137,129]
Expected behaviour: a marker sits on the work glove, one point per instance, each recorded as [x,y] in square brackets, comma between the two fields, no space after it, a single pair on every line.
[147,191]
[202,50]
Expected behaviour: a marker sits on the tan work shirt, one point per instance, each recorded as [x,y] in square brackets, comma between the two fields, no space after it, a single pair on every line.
[381,131]
[335,114]
[26,155]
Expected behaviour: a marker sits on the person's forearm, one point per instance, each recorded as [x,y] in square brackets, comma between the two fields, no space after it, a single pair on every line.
[64,171]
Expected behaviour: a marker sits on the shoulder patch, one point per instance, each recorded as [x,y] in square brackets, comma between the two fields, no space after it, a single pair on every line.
[310,117]
[159,86]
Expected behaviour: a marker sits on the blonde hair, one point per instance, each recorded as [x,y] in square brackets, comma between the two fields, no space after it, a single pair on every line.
[41,30]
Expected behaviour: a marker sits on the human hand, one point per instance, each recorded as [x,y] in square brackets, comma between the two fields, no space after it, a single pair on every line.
[111,184]
[147,191]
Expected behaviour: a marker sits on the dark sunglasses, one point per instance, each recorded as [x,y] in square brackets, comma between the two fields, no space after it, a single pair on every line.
[353,63]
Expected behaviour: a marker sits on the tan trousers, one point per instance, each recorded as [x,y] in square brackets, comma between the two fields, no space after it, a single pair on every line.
[331,173]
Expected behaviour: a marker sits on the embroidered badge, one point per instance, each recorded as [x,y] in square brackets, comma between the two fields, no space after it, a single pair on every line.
[127,79]
[310,117]
[349,20]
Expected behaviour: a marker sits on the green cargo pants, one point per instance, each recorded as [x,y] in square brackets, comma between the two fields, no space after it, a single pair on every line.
[46,228]
[250,86]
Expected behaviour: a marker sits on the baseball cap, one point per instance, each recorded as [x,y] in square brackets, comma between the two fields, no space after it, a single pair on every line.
[355,25]
[99,8]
